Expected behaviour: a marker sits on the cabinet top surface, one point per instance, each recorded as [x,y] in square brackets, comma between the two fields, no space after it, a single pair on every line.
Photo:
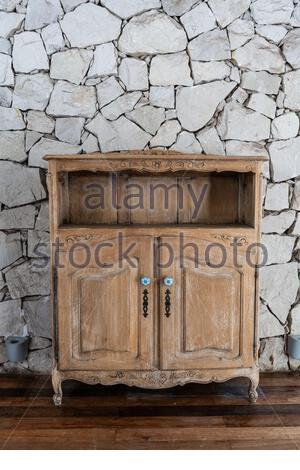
[137,154]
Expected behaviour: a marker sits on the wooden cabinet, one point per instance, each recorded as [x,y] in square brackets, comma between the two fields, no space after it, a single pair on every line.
[154,278]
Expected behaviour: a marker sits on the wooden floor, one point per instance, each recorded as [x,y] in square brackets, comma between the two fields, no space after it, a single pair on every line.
[215,416]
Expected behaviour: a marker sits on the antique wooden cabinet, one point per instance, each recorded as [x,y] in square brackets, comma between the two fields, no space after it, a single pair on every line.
[154,268]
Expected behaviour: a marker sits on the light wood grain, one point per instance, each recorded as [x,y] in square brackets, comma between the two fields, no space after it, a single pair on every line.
[100,333]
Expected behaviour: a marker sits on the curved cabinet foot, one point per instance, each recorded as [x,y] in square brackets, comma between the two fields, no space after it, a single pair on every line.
[56,383]
[252,393]
[57,399]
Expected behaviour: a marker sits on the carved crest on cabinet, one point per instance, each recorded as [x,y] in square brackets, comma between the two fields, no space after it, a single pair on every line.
[229,238]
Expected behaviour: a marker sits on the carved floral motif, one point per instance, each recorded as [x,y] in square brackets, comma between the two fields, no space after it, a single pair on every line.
[230,238]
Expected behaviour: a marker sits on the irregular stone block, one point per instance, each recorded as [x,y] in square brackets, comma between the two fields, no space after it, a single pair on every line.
[269,326]
[29,53]
[199,20]
[278,287]
[277,197]
[6,72]
[11,322]
[105,61]
[19,184]
[5,46]
[69,5]
[291,88]
[11,119]
[71,65]
[166,135]
[248,149]
[209,71]
[121,134]
[40,361]
[263,104]
[285,158]
[81,26]
[186,142]
[38,244]
[29,278]
[69,129]
[259,54]
[210,142]
[12,146]
[196,105]
[40,13]
[272,33]
[239,32]
[31,138]
[68,99]
[37,343]
[285,126]
[213,45]
[272,355]
[147,117]
[32,91]
[278,223]
[177,8]
[49,147]
[263,82]
[5,97]
[170,69]
[53,38]
[127,8]
[121,105]
[275,12]
[162,96]
[9,23]
[37,313]
[152,33]
[10,248]
[134,74]
[228,10]
[279,248]
[18,218]
[40,122]
[42,220]
[239,123]
[108,90]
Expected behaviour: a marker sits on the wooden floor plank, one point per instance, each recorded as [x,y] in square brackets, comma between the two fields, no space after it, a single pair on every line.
[213,416]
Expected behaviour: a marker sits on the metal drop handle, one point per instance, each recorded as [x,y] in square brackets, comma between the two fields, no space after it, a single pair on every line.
[145,303]
[168,303]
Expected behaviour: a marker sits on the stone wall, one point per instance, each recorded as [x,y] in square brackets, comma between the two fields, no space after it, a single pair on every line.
[218,76]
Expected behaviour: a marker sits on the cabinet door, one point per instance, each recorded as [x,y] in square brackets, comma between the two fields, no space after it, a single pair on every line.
[102,324]
[207,315]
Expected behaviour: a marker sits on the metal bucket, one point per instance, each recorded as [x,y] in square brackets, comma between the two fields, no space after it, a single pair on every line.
[294,346]
[16,348]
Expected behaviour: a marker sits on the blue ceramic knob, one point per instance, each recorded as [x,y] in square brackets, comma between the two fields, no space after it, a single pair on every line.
[145,281]
[168,281]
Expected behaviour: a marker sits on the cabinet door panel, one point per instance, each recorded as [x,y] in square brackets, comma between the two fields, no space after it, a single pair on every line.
[100,314]
[209,317]
[210,324]
[105,317]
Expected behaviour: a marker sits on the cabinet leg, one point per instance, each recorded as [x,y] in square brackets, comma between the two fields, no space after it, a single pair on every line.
[56,383]
[252,393]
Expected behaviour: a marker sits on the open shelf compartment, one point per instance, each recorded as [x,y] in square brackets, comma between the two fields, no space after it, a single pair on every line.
[135,199]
